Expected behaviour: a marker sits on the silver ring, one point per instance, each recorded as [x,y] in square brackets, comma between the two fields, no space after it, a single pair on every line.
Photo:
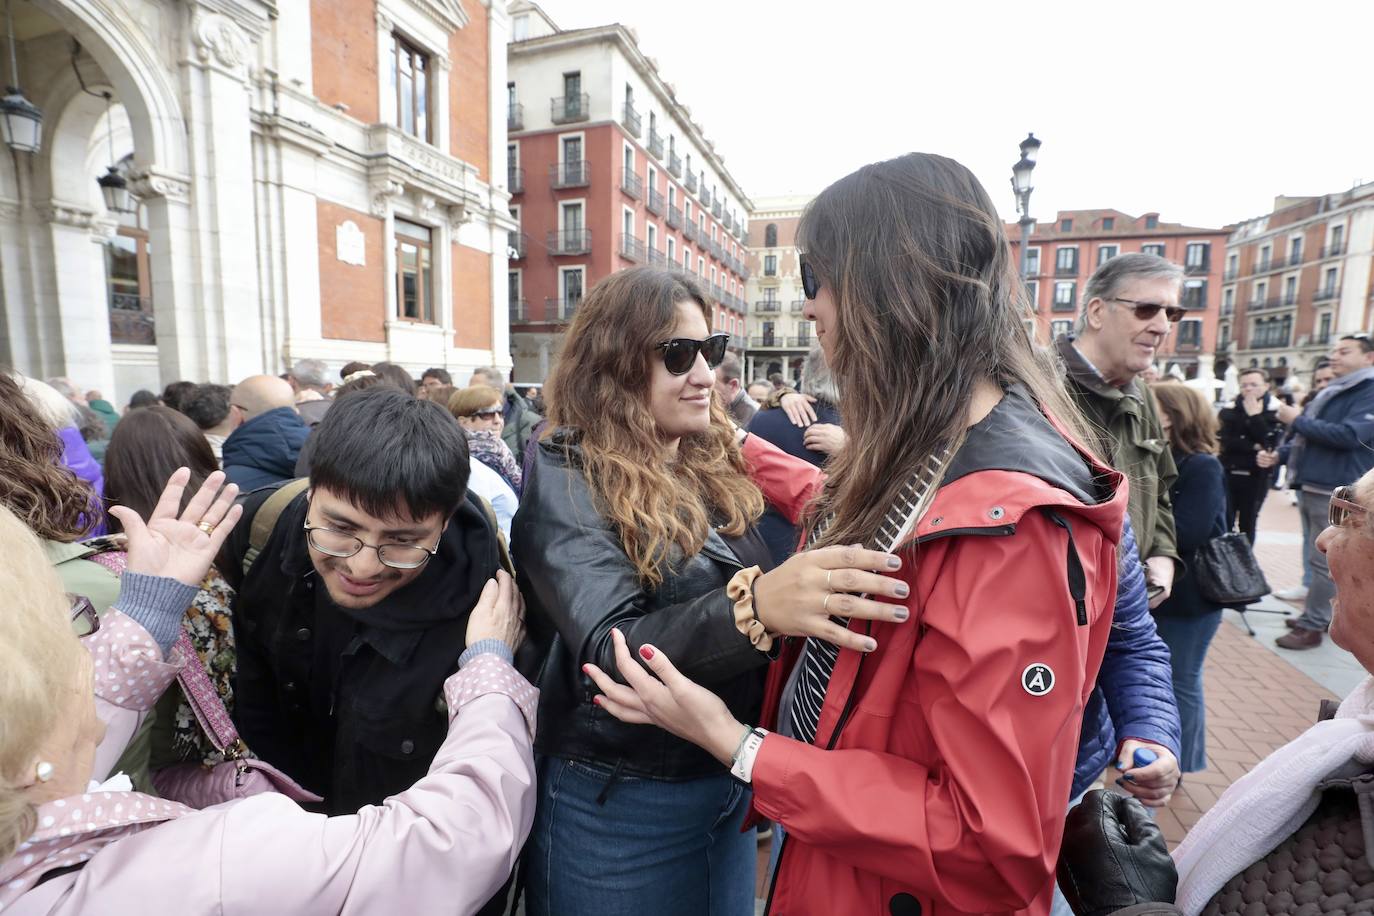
[825,605]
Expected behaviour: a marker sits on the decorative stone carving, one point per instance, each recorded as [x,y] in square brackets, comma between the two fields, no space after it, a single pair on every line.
[67,214]
[152,183]
[381,193]
[350,246]
[217,36]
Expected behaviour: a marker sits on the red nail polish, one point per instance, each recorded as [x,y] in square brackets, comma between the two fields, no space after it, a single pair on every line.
[597,699]
[586,669]
[647,652]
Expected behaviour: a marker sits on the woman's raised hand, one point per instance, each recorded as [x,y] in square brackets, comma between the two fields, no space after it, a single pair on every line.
[499,613]
[181,547]
[800,596]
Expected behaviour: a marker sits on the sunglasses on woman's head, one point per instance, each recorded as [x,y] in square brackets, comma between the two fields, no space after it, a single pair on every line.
[680,353]
[1343,507]
[810,285]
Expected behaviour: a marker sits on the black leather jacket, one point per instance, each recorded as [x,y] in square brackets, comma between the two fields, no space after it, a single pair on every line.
[579,584]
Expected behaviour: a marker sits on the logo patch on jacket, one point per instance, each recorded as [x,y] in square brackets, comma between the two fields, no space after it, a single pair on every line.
[1037,679]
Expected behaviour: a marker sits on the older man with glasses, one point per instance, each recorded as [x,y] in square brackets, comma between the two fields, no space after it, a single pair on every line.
[1333,443]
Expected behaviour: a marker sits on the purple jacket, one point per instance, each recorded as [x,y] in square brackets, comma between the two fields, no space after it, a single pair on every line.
[78,459]
[445,845]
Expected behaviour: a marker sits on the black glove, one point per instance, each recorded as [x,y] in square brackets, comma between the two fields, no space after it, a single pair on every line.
[1113,857]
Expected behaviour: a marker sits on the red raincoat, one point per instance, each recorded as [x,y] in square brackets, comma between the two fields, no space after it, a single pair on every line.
[940,774]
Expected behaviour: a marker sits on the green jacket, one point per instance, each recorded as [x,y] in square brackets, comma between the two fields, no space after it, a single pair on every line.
[1127,421]
[107,413]
[520,423]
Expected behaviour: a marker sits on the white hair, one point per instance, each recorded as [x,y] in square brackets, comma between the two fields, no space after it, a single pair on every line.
[47,402]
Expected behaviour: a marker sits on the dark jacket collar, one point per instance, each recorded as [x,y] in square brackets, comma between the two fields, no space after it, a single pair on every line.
[1016,436]
[271,441]
[1085,375]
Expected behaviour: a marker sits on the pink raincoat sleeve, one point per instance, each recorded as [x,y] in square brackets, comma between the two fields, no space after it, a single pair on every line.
[130,675]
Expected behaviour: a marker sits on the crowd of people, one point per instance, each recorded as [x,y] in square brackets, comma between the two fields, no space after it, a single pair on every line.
[327,642]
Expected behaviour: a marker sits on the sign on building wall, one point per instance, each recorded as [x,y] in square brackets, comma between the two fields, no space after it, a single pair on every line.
[349,244]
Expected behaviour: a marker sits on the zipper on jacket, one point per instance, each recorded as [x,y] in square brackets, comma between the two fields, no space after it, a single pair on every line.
[1078,580]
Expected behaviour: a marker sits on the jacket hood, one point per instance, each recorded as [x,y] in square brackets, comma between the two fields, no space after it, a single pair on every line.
[1016,459]
[270,442]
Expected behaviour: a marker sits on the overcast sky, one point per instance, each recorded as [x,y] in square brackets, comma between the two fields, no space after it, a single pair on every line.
[1203,110]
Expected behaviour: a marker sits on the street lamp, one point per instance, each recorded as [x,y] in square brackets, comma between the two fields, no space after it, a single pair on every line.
[21,123]
[1021,186]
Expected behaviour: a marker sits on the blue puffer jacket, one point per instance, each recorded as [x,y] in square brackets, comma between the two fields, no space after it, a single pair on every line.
[1134,696]
[263,451]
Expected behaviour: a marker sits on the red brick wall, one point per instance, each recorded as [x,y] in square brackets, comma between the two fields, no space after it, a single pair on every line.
[352,298]
[471,298]
[343,47]
[470,91]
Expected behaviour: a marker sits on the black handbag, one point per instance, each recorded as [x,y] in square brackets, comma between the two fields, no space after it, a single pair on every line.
[1227,572]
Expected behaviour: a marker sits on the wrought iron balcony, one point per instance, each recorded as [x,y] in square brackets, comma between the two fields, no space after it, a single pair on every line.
[674,165]
[655,144]
[767,306]
[1277,343]
[674,218]
[575,241]
[738,342]
[515,179]
[1266,305]
[516,244]
[716,292]
[515,116]
[519,310]
[575,173]
[768,340]
[657,257]
[630,118]
[689,231]
[1066,270]
[798,305]
[631,248]
[567,109]
[654,202]
[1326,293]
[1197,270]
[632,184]
[729,221]
[1333,251]
[560,309]
[1230,274]
[1295,258]
[690,182]
[705,195]
[803,341]
[717,209]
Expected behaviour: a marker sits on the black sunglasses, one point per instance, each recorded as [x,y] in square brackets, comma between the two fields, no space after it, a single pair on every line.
[1144,311]
[810,285]
[680,353]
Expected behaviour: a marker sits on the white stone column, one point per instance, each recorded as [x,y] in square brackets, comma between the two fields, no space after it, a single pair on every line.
[75,329]
[171,254]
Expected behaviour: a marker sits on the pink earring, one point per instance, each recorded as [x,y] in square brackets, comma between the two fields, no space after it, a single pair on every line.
[44,771]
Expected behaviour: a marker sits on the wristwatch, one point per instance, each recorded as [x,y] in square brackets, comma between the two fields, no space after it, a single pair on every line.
[742,765]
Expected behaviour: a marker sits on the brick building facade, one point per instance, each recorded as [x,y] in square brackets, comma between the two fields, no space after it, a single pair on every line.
[313,179]
[607,170]
[1064,253]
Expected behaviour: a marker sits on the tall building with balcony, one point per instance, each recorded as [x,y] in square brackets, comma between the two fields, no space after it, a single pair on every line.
[309,179]
[1062,255]
[607,170]
[779,335]
[1297,279]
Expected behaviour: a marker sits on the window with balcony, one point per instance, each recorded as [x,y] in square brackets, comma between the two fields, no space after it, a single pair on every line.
[1232,266]
[1261,293]
[410,82]
[770,236]
[515,112]
[1188,334]
[515,295]
[1154,248]
[1032,262]
[1295,251]
[672,249]
[1033,293]
[1335,242]
[1266,255]
[571,285]
[1290,290]
[1064,294]
[1195,294]
[572,105]
[1330,278]
[1323,329]
[1106,252]
[414,272]
[1223,336]
[1066,261]
[1228,300]
[129,286]
[770,265]
[1197,257]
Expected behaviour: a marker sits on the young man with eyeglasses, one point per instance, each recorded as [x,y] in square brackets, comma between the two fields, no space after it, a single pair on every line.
[354,612]
[1333,444]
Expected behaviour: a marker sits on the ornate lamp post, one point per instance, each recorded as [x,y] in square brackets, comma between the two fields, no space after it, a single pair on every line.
[21,123]
[1022,186]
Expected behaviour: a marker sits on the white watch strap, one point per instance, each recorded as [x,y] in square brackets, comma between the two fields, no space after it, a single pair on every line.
[742,768]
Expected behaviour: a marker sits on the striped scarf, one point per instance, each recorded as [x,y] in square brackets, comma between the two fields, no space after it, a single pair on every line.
[818,660]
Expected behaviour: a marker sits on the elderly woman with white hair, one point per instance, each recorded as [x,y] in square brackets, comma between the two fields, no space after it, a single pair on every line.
[70,843]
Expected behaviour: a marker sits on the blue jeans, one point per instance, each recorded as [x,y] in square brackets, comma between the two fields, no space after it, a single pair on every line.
[1188,639]
[647,846]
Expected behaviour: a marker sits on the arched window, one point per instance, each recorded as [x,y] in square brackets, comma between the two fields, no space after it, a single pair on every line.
[770,236]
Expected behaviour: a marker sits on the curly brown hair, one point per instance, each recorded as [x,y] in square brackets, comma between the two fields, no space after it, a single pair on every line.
[660,509]
[35,485]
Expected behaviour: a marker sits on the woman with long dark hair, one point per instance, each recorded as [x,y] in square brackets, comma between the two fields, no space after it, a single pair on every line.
[639,516]
[930,773]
